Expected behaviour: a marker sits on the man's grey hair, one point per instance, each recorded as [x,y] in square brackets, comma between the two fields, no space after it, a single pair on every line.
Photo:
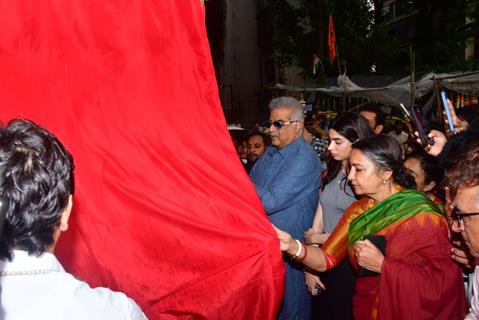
[288,103]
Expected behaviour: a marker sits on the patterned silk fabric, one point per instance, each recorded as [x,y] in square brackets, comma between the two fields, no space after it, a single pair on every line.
[418,279]
[335,248]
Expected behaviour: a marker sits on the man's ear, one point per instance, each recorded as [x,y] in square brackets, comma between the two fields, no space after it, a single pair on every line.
[66,215]
[428,187]
[299,126]
[378,129]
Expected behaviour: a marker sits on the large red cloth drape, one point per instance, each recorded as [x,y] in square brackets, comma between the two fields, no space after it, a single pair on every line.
[163,209]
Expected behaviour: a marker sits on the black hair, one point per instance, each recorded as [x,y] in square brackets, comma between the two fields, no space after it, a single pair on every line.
[266,138]
[470,115]
[460,159]
[429,164]
[239,135]
[36,177]
[386,153]
[353,127]
[380,115]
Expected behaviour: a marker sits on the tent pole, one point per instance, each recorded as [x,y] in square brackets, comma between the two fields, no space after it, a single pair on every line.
[413,84]
[337,57]
[436,91]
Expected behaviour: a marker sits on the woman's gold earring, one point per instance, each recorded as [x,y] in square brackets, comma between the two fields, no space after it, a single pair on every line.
[385,181]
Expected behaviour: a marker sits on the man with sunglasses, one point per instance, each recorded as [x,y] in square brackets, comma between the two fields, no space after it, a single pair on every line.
[287,179]
[461,160]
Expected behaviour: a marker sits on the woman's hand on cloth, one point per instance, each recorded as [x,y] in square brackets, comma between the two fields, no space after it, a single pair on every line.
[313,237]
[368,255]
[286,242]
[313,283]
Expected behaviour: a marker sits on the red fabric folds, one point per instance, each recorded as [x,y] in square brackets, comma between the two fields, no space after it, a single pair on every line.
[163,209]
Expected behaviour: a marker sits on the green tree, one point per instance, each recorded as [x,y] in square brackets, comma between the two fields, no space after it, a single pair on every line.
[437,32]
[352,22]
[299,32]
[287,33]
[441,31]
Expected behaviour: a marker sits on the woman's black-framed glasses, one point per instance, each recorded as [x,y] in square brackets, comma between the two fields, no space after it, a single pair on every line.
[458,215]
[278,124]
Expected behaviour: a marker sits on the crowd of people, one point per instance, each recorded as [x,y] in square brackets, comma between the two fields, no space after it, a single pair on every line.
[369,234]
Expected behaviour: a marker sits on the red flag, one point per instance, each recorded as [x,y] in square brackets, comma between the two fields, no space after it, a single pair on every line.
[331,40]
[163,209]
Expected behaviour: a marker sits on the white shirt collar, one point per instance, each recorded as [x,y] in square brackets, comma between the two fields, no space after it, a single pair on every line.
[22,261]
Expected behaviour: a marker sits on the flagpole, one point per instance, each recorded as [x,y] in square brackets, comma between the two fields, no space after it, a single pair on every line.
[337,56]
[332,41]
[344,82]
[436,91]
[413,80]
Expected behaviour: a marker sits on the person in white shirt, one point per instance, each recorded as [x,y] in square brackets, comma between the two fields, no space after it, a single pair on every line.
[37,183]
[399,135]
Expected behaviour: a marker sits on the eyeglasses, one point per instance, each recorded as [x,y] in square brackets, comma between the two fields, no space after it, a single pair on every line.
[458,215]
[278,124]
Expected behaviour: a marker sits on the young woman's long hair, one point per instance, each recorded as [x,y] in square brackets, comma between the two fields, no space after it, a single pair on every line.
[353,127]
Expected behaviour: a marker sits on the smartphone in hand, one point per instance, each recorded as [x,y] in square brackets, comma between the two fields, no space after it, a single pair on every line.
[445,103]
[421,124]
[405,111]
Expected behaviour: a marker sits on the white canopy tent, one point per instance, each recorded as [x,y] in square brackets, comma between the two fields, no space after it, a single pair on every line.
[399,91]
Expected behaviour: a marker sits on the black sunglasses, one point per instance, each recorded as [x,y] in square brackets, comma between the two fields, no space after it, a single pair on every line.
[458,215]
[278,124]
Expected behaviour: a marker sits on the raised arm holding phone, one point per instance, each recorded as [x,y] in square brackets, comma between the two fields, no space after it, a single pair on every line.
[451,121]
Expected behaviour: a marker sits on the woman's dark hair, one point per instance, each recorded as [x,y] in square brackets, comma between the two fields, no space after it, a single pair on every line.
[353,127]
[460,159]
[386,154]
[36,177]
[266,139]
[430,166]
[238,136]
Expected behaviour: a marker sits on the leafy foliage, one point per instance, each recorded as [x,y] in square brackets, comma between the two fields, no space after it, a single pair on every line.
[289,38]
[442,31]
[437,33]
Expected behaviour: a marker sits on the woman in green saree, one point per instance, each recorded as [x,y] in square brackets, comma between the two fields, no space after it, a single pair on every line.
[415,277]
